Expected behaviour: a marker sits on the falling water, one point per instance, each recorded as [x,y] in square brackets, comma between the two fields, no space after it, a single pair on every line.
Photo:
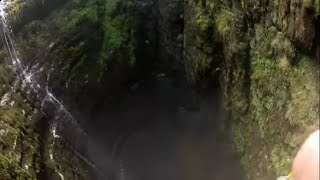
[30,83]
[28,77]
[61,175]
[15,143]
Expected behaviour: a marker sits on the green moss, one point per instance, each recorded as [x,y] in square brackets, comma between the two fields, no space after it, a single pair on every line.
[283,104]
[312,4]
[11,170]
[12,115]
[303,108]
[15,12]
[114,27]
[115,36]
[50,165]
[243,141]
[281,160]
[223,22]
[9,138]
[270,86]
[110,6]
[308,3]
[3,56]
[276,3]
[119,34]
[86,15]
[6,77]
[203,19]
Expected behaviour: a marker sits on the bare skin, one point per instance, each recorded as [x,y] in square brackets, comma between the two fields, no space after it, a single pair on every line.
[306,163]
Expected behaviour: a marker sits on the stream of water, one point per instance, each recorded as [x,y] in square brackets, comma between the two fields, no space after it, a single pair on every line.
[154,133]
[41,89]
[27,77]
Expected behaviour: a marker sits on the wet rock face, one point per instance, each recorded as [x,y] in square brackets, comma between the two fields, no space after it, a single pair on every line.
[297,19]
[89,48]
[161,24]
[170,32]
[17,131]
[22,12]
[202,50]
[263,55]
[82,52]
[72,53]
[25,136]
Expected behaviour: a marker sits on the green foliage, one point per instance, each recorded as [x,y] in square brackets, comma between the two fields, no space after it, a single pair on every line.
[308,3]
[110,6]
[304,105]
[281,160]
[115,37]
[283,102]
[276,3]
[69,21]
[3,55]
[11,170]
[223,22]
[243,141]
[117,27]
[203,19]
[312,4]
[15,11]
[119,33]
[50,165]
[270,63]
[11,115]
[85,15]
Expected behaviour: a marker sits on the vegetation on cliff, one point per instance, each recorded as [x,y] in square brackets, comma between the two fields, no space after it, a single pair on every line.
[92,42]
[262,55]
[18,137]
[69,38]
[267,72]
[12,170]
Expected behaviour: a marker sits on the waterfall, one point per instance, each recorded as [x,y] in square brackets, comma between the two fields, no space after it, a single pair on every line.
[28,76]
[42,92]
[61,175]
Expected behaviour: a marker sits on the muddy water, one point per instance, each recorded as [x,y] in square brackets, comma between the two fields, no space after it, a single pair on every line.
[163,131]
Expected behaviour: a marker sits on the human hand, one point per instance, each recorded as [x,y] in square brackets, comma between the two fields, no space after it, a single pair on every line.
[306,163]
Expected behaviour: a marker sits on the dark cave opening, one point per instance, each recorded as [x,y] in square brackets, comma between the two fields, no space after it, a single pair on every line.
[157,125]
[143,133]
[153,125]
[156,89]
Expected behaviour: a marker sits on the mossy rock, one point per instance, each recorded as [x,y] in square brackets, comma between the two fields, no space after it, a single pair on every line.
[223,22]
[281,160]
[11,170]
[283,107]
[312,4]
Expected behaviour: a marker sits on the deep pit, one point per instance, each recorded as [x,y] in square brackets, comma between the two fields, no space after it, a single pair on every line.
[156,89]
[163,129]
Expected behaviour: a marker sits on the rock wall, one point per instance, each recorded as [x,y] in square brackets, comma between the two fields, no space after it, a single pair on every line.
[263,54]
[82,52]
[86,48]
[66,48]
[25,137]
[266,55]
